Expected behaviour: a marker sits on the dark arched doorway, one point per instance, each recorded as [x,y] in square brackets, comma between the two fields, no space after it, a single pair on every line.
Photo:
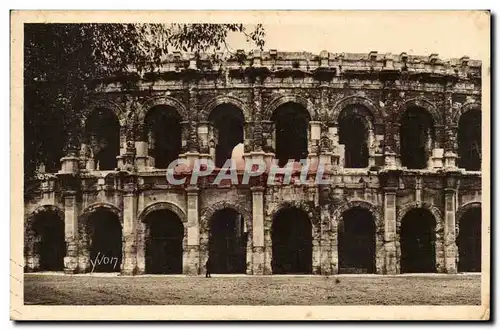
[291,235]
[227,242]
[164,237]
[163,129]
[469,141]
[354,134]
[469,241]
[227,122]
[418,252]
[103,135]
[417,138]
[105,233]
[51,248]
[291,123]
[356,241]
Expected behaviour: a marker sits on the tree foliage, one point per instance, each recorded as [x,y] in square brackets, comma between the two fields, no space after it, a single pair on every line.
[61,60]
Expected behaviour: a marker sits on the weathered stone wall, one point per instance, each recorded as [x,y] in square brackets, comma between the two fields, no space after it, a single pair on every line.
[257,84]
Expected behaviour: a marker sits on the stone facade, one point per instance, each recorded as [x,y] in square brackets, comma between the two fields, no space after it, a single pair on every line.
[258,83]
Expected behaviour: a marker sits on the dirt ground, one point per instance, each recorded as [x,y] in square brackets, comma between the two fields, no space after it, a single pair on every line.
[49,289]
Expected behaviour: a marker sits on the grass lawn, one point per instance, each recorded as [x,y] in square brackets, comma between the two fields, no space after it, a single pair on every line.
[253,290]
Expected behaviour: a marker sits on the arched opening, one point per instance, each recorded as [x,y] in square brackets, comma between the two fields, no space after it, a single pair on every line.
[469,241]
[227,242]
[227,123]
[291,236]
[417,138]
[356,242]
[418,252]
[51,246]
[163,129]
[105,241]
[103,135]
[469,141]
[164,237]
[354,134]
[291,123]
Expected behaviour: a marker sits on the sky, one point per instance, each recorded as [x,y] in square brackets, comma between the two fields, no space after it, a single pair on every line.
[450,34]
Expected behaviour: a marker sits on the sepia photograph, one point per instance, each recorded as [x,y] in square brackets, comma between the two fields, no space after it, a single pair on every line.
[250,165]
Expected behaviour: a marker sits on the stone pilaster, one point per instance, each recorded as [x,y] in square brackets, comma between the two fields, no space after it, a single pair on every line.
[257,136]
[334,247]
[203,137]
[31,257]
[142,159]
[192,142]
[391,256]
[126,161]
[185,127]
[256,256]
[268,135]
[325,139]
[390,184]
[337,158]
[123,140]
[450,147]
[316,256]
[326,227]
[191,255]
[129,246]
[140,236]
[392,155]
[71,212]
[314,140]
[190,135]
[450,246]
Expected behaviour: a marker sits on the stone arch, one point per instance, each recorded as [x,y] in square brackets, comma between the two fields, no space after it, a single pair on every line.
[288,132]
[415,205]
[88,249]
[104,104]
[466,125]
[102,205]
[44,252]
[227,119]
[466,107]
[304,206]
[468,237]
[46,208]
[109,126]
[161,100]
[49,208]
[376,112]
[375,210]
[289,98]
[378,218]
[148,229]
[461,211]
[438,230]
[205,217]
[162,206]
[209,211]
[421,102]
[225,99]
[292,249]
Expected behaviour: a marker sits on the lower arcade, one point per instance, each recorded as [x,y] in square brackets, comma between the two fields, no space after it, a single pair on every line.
[359,229]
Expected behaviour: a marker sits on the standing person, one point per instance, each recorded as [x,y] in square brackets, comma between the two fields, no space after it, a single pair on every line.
[208,267]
